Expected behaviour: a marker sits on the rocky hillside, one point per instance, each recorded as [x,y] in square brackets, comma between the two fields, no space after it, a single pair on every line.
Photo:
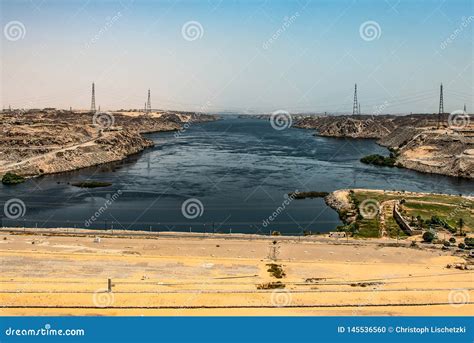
[349,126]
[41,142]
[419,144]
[440,151]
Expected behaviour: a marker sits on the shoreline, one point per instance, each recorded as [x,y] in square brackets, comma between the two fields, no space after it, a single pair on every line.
[87,144]
[337,200]
[131,234]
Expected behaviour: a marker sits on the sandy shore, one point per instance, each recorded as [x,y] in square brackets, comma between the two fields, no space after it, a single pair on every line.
[176,274]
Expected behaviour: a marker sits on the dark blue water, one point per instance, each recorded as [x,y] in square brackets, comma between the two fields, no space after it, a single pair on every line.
[239,169]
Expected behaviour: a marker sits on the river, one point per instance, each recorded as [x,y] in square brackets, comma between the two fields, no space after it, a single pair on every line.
[239,170]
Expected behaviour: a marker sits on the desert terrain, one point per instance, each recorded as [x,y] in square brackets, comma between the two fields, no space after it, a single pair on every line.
[424,142]
[38,142]
[67,272]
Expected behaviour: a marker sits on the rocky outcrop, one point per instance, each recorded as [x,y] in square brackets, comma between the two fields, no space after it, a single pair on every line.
[399,137]
[168,121]
[417,141]
[109,147]
[440,151]
[50,141]
[349,126]
[340,202]
[147,124]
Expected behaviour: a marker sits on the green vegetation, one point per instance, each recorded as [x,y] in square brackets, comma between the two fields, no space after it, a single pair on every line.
[469,242]
[92,184]
[12,179]
[379,160]
[436,211]
[428,236]
[304,195]
[368,228]
[271,285]
[276,270]
[362,227]
[436,221]
[393,229]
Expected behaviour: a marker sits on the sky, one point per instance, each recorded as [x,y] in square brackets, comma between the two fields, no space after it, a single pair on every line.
[238,56]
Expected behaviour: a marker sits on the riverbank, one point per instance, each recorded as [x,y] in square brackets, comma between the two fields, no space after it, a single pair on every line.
[39,142]
[417,141]
[59,274]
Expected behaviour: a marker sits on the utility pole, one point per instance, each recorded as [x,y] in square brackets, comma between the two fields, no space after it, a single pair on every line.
[355,107]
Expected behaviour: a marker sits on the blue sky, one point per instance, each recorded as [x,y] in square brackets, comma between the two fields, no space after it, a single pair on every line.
[300,56]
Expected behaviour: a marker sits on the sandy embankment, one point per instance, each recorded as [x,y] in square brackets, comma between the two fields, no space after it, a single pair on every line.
[67,275]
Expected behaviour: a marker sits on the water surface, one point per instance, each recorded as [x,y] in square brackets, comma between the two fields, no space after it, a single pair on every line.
[239,169]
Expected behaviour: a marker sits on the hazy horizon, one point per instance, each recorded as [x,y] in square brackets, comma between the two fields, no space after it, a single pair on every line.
[242,57]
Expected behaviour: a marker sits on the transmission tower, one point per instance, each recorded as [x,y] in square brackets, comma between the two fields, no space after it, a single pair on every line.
[359,108]
[465,111]
[355,107]
[93,98]
[148,103]
[441,105]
